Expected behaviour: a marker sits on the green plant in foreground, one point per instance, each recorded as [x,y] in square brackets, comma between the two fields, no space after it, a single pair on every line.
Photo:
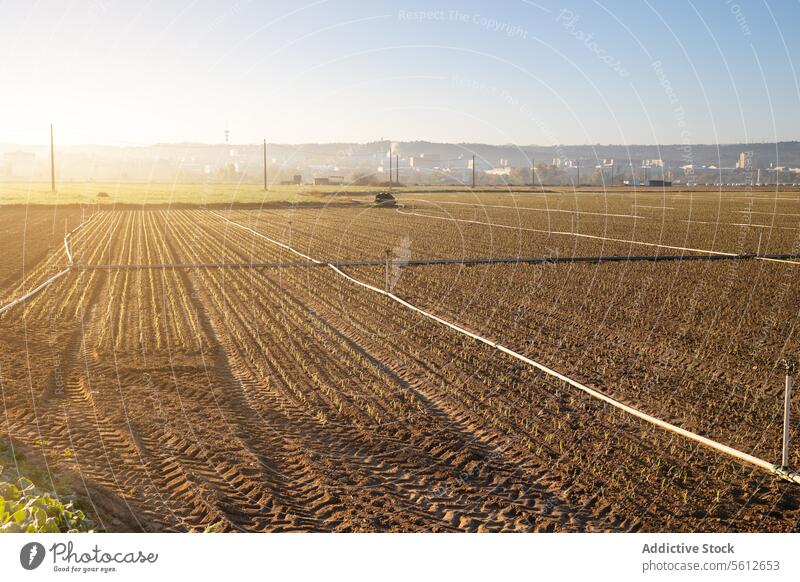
[25,509]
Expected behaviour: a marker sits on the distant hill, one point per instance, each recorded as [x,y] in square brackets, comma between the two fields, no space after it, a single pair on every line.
[243,162]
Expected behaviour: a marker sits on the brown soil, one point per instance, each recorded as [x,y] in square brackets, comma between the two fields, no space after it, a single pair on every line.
[292,400]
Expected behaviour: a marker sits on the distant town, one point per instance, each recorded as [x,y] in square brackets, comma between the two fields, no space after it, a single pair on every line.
[411,163]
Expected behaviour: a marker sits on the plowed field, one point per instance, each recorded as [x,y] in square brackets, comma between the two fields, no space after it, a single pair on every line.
[192,375]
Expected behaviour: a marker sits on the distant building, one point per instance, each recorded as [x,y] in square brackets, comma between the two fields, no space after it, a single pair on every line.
[329,181]
[649,183]
[425,161]
[564,163]
[742,162]
[657,163]
[296,180]
[503,171]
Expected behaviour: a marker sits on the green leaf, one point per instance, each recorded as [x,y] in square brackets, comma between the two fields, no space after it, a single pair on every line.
[9,491]
[20,516]
[28,510]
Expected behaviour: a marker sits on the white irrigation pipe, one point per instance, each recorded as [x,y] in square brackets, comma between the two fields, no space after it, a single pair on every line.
[49,281]
[767,226]
[272,240]
[565,233]
[767,213]
[481,205]
[591,391]
[784,473]
[66,242]
[66,247]
[592,236]
[69,234]
[30,294]
[778,260]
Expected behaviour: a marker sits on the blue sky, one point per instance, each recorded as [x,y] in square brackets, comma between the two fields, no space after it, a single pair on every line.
[108,71]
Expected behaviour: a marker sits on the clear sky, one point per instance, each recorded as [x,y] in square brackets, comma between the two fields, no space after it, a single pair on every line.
[569,72]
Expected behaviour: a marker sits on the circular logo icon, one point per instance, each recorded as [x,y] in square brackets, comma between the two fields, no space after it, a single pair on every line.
[31,555]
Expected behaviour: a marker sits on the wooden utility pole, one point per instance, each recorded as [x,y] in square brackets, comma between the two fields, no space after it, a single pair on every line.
[533,173]
[612,174]
[473,170]
[52,162]
[578,165]
[265,165]
[390,168]
[397,168]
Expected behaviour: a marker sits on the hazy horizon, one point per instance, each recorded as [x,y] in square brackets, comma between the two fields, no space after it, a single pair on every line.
[259,143]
